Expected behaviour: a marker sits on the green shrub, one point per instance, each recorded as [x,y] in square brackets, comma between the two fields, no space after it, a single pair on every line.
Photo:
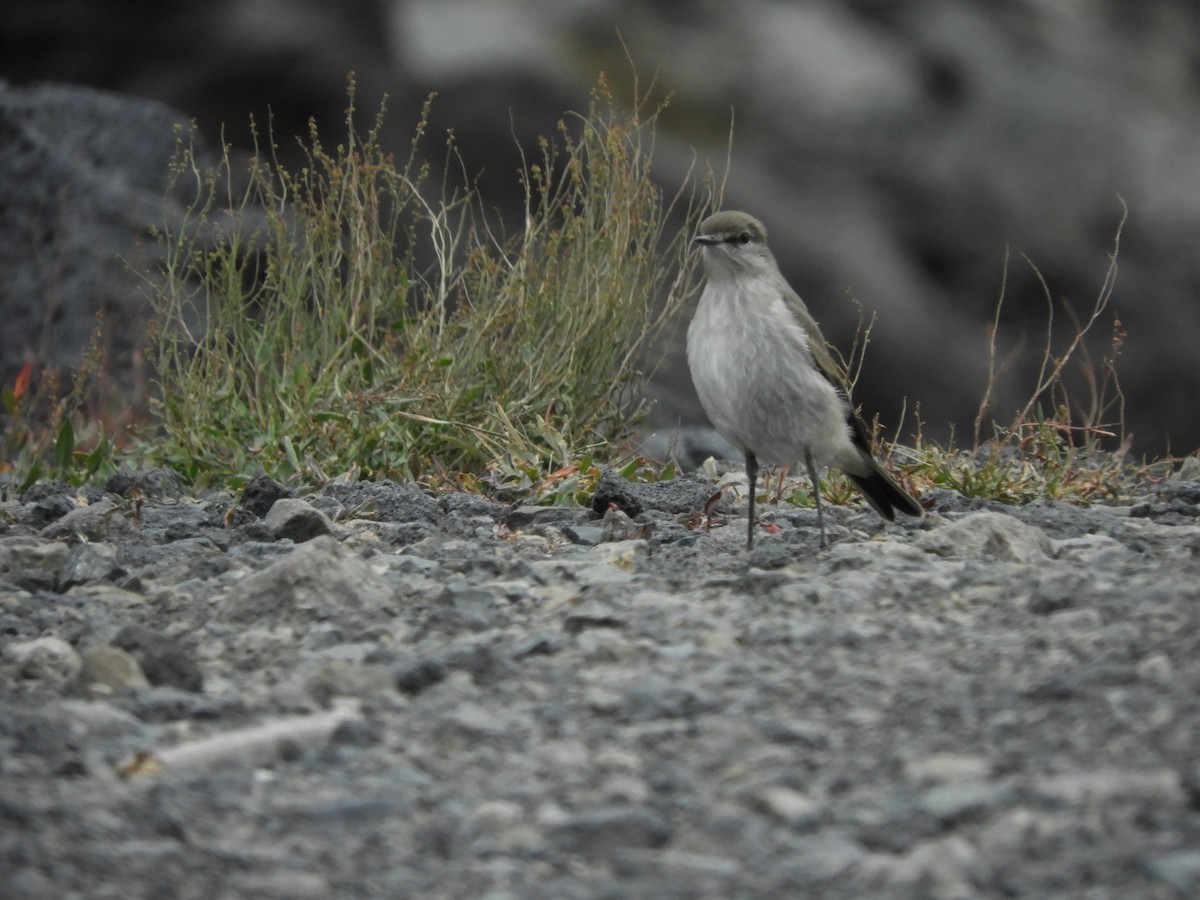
[298,330]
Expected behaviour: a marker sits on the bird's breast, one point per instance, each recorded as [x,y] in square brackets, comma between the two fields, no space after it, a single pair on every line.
[754,373]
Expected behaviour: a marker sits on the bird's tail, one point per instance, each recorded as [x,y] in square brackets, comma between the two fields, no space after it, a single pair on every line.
[877,486]
[884,495]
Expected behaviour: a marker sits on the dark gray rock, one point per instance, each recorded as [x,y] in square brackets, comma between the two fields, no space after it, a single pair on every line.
[156,483]
[991,535]
[85,174]
[528,518]
[386,501]
[260,494]
[109,671]
[89,562]
[1180,870]
[164,659]
[296,520]
[314,582]
[600,832]
[49,659]
[685,494]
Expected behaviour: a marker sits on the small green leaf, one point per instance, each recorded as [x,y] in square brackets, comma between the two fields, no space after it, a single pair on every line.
[31,477]
[64,446]
[98,456]
[331,416]
[290,450]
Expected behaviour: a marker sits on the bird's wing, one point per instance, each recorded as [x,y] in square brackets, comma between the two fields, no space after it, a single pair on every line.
[830,367]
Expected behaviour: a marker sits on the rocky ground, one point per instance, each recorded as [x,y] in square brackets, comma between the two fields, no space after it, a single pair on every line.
[374,692]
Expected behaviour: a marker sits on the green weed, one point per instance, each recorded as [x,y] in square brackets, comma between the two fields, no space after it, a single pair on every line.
[335,322]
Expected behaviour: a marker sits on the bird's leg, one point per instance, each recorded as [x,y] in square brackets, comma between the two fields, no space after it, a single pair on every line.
[816,491]
[752,474]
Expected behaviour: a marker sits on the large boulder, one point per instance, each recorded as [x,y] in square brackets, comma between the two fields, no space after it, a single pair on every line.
[83,174]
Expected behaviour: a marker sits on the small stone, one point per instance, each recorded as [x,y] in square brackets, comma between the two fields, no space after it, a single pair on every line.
[1054,687]
[676,864]
[621,555]
[788,806]
[356,733]
[157,483]
[30,884]
[613,491]
[1012,832]
[989,535]
[108,670]
[168,704]
[959,801]
[1156,669]
[47,658]
[89,562]
[1180,870]
[261,493]
[316,581]
[821,859]
[539,644]
[601,832]
[102,720]
[527,518]
[942,768]
[49,509]
[1089,548]
[491,817]
[947,868]
[282,883]
[660,698]
[1159,786]
[1189,470]
[296,520]
[1082,619]
[32,563]
[163,659]
[414,677]
[387,501]
[471,720]
[89,522]
[587,535]
[801,732]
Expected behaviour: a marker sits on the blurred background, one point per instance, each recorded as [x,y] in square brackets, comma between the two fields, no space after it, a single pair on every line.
[914,156]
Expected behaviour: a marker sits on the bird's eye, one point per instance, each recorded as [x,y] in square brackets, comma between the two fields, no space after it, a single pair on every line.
[742,239]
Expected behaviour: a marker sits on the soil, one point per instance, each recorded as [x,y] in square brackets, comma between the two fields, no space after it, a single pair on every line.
[371,691]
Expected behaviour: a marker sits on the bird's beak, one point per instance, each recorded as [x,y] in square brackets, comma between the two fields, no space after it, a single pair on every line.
[705,239]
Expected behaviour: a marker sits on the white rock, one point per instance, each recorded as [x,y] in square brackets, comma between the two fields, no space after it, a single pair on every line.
[47,658]
[989,534]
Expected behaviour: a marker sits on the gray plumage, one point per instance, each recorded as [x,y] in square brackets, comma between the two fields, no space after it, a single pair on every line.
[765,375]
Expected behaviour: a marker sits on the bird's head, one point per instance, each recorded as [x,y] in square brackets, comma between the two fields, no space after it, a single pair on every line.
[733,243]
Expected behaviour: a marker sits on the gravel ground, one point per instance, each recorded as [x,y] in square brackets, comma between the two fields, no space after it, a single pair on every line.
[375,692]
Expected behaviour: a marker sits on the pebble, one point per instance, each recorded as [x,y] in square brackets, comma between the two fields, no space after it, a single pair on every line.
[600,832]
[106,671]
[47,658]
[296,520]
[989,535]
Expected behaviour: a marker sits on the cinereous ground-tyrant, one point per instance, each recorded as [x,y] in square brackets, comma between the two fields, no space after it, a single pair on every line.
[766,376]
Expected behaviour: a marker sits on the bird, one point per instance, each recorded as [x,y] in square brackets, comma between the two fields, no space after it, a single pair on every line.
[766,377]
